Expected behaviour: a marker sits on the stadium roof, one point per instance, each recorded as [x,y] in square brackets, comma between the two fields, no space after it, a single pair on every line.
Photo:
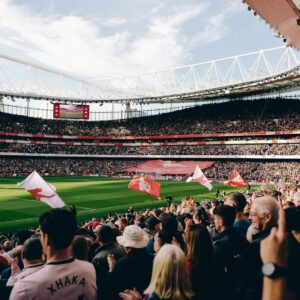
[282,15]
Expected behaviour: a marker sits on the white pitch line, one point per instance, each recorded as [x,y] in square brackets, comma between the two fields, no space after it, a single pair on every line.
[85,208]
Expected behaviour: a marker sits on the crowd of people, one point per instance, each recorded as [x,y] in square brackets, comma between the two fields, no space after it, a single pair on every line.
[257,171]
[234,247]
[233,116]
[251,171]
[219,150]
[63,166]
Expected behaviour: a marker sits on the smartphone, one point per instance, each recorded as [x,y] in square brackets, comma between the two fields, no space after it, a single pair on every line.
[292,217]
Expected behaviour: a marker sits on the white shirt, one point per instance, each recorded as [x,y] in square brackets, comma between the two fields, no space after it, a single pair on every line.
[61,280]
[23,273]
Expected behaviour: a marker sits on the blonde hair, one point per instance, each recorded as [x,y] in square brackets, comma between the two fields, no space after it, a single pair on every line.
[170,279]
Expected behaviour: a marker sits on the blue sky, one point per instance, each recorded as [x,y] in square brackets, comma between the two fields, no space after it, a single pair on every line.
[100,38]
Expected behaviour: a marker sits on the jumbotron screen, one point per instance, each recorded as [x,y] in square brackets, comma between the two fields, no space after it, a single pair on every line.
[71,111]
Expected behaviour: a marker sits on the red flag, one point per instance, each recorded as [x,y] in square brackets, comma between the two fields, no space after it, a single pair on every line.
[236,180]
[145,185]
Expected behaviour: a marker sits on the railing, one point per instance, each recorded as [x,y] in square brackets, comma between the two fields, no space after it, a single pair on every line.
[156,144]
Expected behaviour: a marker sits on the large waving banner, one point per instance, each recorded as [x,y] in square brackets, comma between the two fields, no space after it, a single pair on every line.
[199,176]
[41,190]
[145,185]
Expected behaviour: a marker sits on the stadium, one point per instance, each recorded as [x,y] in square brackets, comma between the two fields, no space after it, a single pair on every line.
[201,161]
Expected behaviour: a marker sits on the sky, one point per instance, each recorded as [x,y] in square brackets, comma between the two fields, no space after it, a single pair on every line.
[102,39]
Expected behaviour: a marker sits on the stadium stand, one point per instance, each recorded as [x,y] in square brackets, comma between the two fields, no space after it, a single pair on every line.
[263,128]
[238,246]
[233,116]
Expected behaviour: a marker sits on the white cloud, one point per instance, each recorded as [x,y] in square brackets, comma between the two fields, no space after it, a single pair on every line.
[163,46]
[114,22]
[217,25]
[83,47]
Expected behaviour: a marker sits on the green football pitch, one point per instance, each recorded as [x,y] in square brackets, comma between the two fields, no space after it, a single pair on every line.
[93,197]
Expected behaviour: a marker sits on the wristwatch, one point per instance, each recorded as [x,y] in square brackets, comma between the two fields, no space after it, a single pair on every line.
[273,271]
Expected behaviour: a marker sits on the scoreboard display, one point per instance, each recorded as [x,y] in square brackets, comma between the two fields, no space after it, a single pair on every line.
[71,111]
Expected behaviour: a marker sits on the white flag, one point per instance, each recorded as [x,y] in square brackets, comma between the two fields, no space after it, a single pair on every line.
[41,190]
[198,176]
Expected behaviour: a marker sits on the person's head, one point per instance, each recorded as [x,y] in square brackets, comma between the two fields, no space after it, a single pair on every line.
[296,198]
[123,222]
[153,223]
[169,224]
[57,228]
[32,251]
[169,278]
[199,244]
[161,238]
[80,248]
[264,212]
[224,216]
[157,212]
[140,221]
[133,237]
[22,236]
[106,234]
[236,200]
[7,245]
[200,216]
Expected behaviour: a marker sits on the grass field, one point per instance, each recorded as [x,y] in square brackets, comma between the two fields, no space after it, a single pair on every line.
[93,197]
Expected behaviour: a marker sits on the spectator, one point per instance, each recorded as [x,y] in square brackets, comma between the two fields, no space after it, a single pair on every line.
[152,227]
[170,225]
[264,216]
[122,223]
[296,198]
[80,248]
[199,259]
[161,238]
[169,277]
[7,246]
[229,249]
[108,245]
[238,202]
[201,217]
[32,257]
[133,270]
[169,199]
[62,275]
